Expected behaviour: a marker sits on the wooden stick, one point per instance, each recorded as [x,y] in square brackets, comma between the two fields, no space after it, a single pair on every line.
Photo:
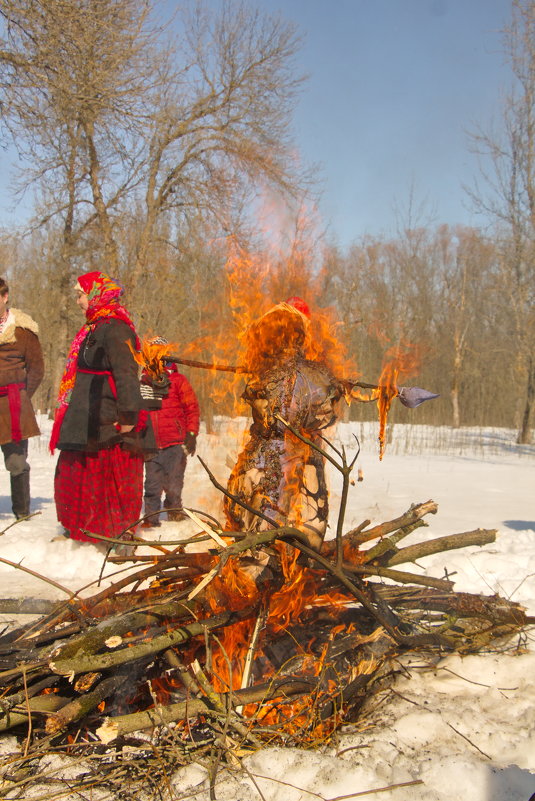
[415,512]
[26,606]
[53,583]
[388,544]
[10,701]
[249,659]
[479,536]
[92,640]
[124,724]
[41,703]
[457,604]
[401,576]
[131,578]
[87,663]
[225,368]
[230,368]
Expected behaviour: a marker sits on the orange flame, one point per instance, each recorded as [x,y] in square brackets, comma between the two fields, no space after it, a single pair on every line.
[151,356]
[256,329]
[233,588]
[300,591]
[400,361]
[250,333]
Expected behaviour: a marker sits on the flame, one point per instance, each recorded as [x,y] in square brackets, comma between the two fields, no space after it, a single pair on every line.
[233,588]
[299,592]
[400,361]
[151,356]
[162,688]
[254,332]
[253,329]
[301,718]
[258,327]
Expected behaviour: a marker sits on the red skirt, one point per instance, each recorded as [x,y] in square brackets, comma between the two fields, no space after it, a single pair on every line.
[98,493]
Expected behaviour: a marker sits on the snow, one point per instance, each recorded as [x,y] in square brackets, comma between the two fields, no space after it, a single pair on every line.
[462,728]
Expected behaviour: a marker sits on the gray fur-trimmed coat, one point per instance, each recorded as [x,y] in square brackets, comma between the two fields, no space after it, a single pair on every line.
[21,362]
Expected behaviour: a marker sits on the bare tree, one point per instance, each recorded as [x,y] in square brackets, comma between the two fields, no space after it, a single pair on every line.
[508,195]
[125,129]
[102,102]
[464,262]
[220,126]
[65,69]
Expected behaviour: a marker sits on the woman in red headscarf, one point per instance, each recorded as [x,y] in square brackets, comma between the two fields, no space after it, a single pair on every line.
[276,473]
[100,426]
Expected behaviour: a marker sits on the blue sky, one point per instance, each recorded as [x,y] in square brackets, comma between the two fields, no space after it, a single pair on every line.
[393,87]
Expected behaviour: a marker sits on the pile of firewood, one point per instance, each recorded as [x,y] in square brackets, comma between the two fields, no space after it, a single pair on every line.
[206,648]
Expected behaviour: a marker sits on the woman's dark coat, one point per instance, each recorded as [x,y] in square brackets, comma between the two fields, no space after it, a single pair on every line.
[106,393]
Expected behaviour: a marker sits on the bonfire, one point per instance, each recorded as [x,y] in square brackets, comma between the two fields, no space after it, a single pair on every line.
[187,659]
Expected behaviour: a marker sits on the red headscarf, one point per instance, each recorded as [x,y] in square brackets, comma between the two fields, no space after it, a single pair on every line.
[103,294]
[299,304]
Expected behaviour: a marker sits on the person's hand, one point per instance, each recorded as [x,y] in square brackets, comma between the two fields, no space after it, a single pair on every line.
[190,442]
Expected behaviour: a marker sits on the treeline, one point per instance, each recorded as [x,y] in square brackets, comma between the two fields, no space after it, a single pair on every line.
[443,296]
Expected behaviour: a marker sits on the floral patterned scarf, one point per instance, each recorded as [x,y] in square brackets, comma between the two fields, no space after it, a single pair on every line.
[103,294]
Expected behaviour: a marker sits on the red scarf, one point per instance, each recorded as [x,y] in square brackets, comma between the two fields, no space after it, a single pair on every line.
[103,293]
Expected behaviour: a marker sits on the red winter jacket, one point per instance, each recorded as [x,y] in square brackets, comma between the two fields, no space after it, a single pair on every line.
[179,413]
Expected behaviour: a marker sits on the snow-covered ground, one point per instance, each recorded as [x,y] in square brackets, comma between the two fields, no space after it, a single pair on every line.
[461,730]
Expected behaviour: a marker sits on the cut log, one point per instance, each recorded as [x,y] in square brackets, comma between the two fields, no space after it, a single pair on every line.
[95,638]
[77,709]
[86,663]
[38,705]
[26,606]
[357,537]
[126,724]
[478,537]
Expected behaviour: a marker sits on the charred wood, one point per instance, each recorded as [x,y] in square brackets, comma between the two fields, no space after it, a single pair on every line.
[282,690]
[80,707]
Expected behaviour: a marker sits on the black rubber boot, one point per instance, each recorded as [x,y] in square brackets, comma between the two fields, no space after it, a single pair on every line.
[20,494]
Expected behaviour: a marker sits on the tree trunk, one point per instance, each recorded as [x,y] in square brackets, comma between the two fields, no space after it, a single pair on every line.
[454,390]
[456,415]
[524,435]
[60,344]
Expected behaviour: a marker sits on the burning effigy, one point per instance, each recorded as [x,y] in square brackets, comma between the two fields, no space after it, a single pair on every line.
[278,474]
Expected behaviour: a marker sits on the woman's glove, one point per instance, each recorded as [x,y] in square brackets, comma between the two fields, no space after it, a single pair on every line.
[190,442]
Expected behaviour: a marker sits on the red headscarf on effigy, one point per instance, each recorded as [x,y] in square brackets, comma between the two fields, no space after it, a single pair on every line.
[299,304]
[103,294]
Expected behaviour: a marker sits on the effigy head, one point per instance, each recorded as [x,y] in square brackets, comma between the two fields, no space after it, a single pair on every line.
[300,305]
[278,334]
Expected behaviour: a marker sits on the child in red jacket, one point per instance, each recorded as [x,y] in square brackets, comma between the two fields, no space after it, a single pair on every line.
[176,426]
